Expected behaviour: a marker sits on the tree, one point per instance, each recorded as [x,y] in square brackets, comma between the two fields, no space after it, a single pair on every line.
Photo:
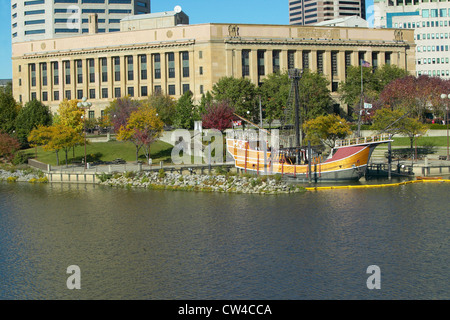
[240,93]
[373,83]
[70,115]
[415,95]
[397,122]
[8,146]
[185,114]
[219,115]
[32,115]
[326,129]
[55,138]
[64,138]
[274,95]
[8,111]
[120,110]
[315,97]
[143,128]
[165,107]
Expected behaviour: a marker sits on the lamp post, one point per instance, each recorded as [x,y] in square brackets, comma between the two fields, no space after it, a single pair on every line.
[84,104]
[443,97]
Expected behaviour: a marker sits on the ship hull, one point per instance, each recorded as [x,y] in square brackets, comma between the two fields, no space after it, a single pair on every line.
[349,163]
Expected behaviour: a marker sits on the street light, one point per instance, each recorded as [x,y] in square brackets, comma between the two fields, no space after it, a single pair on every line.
[84,104]
[443,97]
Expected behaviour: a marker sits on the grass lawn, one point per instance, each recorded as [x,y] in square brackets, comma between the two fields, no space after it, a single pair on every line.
[421,141]
[105,151]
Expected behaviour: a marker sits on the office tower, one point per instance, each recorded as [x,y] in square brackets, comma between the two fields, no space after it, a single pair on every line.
[47,19]
[431,24]
[303,12]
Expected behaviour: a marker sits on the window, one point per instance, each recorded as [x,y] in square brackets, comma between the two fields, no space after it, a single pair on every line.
[245,63]
[387,57]
[143,60]
[91,64]
[130,91]
[68,95]
[374,60]
[171,89]
[91,114]
[157,89]
[55,95]
[104,66]
[130,68]
[33,74]
[104,93]
[200,70]
[261,66]
[116,92]
[185,63]
[305,59]
[44,96]
[186,88]
[334,64]
[157,65]
[276,60]
[67,71]
[171,64]
[91,93]
[320,61]
[144,91]
[44,74]
[291,59]
[116,69]
[79,65]
[55,68]
[348,60]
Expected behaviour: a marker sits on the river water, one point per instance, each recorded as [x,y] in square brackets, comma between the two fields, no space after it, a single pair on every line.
[140,244]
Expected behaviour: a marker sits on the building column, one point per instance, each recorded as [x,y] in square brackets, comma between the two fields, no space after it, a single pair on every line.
[268,62]
[178,72]
[283,60]
[327,70]
[341,66]
[313,61]
[254,66]
[237,55]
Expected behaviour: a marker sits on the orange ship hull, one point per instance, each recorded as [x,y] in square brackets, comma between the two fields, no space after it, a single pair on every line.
[349,162]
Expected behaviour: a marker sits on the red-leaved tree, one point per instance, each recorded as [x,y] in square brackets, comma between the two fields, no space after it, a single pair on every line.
[219,115]
[415,95]
[8,146]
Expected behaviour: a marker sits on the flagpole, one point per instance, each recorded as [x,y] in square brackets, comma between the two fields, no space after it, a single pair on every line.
[361,98]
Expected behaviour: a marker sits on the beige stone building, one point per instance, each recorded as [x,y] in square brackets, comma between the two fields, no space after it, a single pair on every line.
[178,58]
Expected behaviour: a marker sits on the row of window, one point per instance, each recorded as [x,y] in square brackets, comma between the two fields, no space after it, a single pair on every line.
[432,48]
[427,36]
[305,57]
[422,24]
[90,67]
[435,13]
[432,60]
[434,73]
[35,2]
[104,92]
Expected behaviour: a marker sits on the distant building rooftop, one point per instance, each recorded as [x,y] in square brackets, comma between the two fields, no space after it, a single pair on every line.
[154,20]
[351,21]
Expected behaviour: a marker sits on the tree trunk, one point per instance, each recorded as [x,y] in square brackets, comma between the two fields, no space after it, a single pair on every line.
[57,157]
[137,153]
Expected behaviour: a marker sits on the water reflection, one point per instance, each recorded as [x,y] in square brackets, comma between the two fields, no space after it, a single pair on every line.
[137,244]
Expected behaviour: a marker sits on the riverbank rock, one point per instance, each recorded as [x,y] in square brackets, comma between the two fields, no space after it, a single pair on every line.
[209,183]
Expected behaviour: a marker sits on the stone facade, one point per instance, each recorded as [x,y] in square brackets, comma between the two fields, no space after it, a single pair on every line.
[193,57]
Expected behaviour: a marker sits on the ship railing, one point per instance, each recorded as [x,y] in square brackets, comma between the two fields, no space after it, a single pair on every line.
[362,140]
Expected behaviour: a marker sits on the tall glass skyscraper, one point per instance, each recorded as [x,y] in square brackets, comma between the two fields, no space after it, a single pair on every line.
[46,19]
[303,12]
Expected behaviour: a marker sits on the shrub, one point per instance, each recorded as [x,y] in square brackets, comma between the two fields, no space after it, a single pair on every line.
[20,158]
[104,176]
[161,174]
